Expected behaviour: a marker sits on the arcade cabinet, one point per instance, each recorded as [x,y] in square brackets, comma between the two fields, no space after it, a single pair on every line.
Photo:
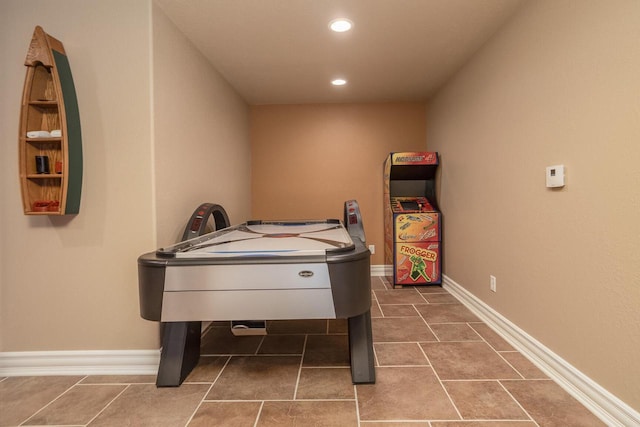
[412,221]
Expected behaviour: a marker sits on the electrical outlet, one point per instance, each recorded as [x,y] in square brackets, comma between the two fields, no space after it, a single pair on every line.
[372,249]
[492,283]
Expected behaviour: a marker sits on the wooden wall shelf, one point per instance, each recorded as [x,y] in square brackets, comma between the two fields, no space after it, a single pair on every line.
[49,105]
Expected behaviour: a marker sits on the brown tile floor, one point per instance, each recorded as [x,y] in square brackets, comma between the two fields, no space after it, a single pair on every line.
[437,366]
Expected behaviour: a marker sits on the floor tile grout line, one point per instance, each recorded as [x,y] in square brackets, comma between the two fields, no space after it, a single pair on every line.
[127,386]
[376,361]
[204,397]
[53,400]
[54,425]
[499,382]
[375,297]
[249,355]
[204,333]
[255,423]
[405,366]
[415,309]
[446,420]
[454,323]
[355,395]
[304,349]
[424,353]
[423,297]
[509,363]
[426,323]
[335,399]
[479,380]
[518,402]
[224,366]
[279,400]
[483,338]
[198,406]
[116,383]
[399,317]
[498,353]
[260,344]
[326,367]
[379,279]
[441,383]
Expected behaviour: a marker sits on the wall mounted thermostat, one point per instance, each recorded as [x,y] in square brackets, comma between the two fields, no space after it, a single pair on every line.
[555,176]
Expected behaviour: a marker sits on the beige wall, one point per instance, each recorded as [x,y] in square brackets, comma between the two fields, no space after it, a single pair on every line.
[162,132]
[558,85]
[70,283]
[307,160]
[201,134]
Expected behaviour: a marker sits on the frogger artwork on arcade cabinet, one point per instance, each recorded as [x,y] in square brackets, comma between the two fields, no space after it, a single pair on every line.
[412,221]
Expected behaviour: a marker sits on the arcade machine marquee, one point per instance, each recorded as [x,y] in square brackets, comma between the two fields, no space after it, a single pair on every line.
[412,221]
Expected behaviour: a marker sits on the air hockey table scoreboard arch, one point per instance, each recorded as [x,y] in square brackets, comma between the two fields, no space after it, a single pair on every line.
[273,270]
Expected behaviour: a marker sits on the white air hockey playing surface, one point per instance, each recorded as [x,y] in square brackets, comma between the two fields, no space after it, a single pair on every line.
[276,238]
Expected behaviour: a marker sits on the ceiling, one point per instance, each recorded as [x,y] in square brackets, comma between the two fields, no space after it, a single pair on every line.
[282,51]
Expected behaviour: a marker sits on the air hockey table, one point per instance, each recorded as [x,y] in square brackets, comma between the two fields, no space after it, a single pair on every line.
[267,270]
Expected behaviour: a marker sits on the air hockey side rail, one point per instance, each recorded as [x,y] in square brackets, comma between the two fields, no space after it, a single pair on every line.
[360,334]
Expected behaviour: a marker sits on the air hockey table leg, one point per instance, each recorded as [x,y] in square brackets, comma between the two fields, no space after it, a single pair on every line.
[180,352]
[361,349]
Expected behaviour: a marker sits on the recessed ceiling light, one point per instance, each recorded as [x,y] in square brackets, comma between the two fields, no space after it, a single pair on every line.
[340,25]
[338,82]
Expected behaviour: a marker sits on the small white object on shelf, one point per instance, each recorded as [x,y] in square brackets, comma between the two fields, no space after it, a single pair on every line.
[38,134]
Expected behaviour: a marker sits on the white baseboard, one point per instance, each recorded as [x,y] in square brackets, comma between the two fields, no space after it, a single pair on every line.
[92,362]
[602,403]
[381,270]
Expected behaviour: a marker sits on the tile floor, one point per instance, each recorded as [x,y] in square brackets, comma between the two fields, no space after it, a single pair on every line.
[437,365]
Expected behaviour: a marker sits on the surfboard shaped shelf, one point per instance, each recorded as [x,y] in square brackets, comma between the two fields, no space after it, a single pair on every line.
[50,140]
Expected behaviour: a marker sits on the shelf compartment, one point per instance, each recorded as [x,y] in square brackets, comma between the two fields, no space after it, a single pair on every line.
[43,189]
[42,117]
